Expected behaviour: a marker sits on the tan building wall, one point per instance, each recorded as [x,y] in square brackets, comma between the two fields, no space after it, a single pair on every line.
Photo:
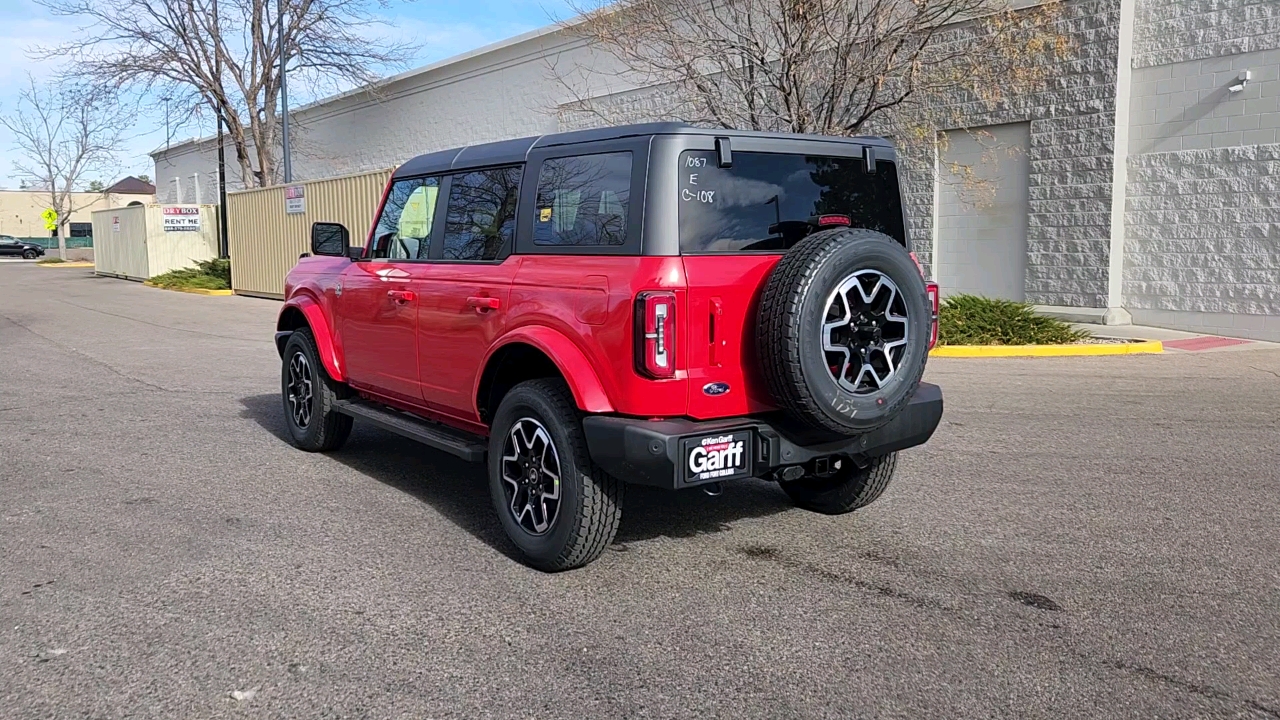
[20,209]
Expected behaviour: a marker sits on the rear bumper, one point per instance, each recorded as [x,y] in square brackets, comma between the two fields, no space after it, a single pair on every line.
[652,452]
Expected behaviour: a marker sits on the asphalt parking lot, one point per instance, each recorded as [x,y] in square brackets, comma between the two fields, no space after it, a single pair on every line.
[1084,537]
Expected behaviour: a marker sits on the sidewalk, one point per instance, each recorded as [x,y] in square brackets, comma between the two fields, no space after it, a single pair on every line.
[1176,340]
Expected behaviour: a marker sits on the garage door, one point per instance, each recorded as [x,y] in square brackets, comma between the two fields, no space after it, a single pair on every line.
[982,212]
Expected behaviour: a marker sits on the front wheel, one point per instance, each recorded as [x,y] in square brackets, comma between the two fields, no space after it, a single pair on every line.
[849,487]
[309,395]
[29,254]
[556,506]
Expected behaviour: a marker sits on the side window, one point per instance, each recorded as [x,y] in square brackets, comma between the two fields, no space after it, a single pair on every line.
[583,200]
[404,228]
[482,213]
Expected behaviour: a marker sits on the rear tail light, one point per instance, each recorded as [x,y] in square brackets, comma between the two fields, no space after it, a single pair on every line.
[829,220]
[656,333]
[931,288]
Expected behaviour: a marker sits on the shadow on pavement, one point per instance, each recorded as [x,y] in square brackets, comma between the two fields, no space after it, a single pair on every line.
[459,490]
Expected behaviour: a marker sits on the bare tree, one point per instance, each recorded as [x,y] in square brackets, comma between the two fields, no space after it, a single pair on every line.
[226,57]
[63,133]
[832,67]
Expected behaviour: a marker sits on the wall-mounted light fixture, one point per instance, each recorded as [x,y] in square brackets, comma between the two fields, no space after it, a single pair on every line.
[1241,80]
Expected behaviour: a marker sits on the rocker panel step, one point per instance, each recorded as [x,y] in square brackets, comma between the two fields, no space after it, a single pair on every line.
[455,442]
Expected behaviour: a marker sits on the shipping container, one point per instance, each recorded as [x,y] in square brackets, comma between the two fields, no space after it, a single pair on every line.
[142,241]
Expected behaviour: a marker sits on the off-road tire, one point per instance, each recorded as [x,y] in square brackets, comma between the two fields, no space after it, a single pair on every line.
[327,428]
[29,254]
[850,488]
[591,507]
[789,343]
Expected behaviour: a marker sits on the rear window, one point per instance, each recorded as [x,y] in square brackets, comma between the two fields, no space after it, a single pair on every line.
[765,201]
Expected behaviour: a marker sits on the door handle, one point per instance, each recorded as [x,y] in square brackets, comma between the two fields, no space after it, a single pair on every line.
[402,296]
[484,304]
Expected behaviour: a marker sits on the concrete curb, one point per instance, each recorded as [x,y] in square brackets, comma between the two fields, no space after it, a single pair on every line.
[989,351]
[193,291]
[65,265]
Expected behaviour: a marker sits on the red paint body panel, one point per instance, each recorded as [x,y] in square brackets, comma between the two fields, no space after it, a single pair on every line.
[573,364]
[380,330]
[456,333]
[723,298]
[589,300]
[417,335]
[309,288]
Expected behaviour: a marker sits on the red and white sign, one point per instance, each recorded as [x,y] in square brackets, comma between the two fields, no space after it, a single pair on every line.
[295,199]
[181,218]
[115,223]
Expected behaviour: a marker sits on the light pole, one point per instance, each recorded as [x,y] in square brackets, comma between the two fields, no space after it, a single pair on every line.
[223,248]
[284,97]
[166,121]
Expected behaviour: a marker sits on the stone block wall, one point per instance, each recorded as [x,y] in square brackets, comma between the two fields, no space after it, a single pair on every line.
[1072,132]
[1202,217]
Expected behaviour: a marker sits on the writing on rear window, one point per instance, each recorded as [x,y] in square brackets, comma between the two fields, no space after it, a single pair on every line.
[766,202]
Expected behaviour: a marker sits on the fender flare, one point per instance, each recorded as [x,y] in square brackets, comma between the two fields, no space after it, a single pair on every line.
[584,383]
[320,330]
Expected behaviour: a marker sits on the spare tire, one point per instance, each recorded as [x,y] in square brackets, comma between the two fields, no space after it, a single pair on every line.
[843,330]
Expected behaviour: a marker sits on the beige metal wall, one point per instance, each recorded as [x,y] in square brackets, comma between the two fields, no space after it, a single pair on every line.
[121,253]
[141,248]
[265,242]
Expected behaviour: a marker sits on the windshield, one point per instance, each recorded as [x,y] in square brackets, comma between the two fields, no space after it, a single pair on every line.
[765,201]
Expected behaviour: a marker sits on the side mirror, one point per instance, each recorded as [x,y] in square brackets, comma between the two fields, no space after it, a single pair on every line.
[355,253]
[330,239]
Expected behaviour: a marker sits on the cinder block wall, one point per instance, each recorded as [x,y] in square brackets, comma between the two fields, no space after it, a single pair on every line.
[1202,219]
[1072,134]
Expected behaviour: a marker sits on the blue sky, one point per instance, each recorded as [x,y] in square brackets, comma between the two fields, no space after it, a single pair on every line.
[443,27]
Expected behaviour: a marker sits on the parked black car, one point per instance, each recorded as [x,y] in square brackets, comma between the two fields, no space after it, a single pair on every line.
[10,245]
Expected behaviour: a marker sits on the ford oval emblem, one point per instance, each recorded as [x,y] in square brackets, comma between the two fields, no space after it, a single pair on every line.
[715,389]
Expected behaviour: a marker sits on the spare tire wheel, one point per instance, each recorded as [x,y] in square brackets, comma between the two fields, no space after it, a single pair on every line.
[844,330]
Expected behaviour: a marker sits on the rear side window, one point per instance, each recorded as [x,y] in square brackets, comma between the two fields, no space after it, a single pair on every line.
[583,201]
[481,218]
[765,201]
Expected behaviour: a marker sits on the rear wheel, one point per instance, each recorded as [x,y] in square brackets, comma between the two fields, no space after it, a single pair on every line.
[309,395]
[556,506]
[850,487]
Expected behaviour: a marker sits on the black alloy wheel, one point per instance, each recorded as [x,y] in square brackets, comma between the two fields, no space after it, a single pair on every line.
[531,476]
[865,331]
[298,389]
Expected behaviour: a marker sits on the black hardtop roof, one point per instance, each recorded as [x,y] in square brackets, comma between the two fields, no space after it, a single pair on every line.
[517,151]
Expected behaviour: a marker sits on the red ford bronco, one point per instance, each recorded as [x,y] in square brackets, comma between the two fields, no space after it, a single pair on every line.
[654,304]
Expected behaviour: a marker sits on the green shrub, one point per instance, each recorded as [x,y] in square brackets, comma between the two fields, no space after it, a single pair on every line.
[217,267]
[50,261]
[974,320]
[206,275]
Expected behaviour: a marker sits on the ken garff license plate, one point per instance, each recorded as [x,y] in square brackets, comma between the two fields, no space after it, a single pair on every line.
[717,457]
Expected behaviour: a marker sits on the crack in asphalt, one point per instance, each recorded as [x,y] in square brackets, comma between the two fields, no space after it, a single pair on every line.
[761,552]
[1206,691]
[86,356]
[1035,600]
